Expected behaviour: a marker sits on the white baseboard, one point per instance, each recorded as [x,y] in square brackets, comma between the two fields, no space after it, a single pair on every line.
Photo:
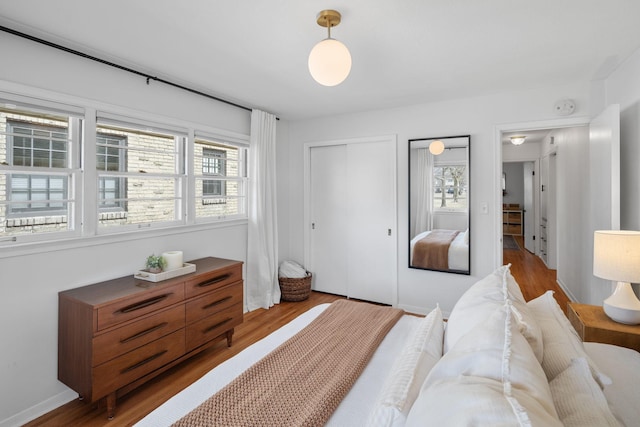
[40,409]
[566,291]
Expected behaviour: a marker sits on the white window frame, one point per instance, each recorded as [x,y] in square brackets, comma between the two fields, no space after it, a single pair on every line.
[74,200]
[241,179]
[179,176]
[439,209]
[84,190]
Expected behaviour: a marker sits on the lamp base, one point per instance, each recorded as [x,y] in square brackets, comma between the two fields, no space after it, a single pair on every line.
[623,305]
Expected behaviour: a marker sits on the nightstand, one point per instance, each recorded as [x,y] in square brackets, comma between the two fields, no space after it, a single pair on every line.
[593,325]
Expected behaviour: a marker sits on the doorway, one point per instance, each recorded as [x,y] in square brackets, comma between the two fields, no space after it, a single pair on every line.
[535,265]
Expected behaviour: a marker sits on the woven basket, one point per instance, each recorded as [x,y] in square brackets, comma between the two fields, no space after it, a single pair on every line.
[295,289]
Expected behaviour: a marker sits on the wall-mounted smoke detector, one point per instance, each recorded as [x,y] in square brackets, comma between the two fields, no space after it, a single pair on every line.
[564,107]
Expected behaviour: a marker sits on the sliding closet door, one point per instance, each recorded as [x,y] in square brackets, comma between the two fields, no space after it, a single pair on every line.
[352,217]
[372,217]
[328,236]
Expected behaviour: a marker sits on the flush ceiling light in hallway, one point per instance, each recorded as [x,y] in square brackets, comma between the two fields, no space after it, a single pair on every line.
[518,139]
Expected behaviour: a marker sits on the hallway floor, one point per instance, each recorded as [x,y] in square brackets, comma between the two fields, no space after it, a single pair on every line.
[532,274]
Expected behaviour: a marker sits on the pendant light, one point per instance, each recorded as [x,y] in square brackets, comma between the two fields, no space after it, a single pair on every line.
[436,147]
[329,60]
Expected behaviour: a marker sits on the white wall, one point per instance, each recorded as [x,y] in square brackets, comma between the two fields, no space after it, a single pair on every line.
[30,281]
[623,87]
[514,173]
[572,210]
[420,290]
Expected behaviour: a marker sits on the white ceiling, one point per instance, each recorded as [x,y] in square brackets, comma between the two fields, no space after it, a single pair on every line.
[404,52]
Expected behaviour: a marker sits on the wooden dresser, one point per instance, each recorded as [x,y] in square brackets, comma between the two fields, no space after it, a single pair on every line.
[115,335]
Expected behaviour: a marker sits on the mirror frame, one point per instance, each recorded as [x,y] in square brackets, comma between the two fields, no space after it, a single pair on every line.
[460,241]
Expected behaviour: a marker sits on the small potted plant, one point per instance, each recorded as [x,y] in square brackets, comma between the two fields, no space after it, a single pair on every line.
[155,263]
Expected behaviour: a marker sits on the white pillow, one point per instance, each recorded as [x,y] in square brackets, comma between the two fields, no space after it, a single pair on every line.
[490,377]
[476,401]
[466,237]
[422,350]
[579,400]
[561,342]
[481,299]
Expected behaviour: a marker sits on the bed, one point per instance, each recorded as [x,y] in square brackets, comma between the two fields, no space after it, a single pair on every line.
[499,361]
[457,254]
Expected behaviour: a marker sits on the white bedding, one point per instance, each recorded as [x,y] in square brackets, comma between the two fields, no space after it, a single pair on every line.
[458,251]
[622,365]
[353,410]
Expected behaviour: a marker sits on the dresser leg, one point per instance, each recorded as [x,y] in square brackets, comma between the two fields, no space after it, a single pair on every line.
[229,337]
[111,405]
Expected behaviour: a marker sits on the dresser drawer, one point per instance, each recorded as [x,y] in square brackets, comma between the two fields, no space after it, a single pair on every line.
[212,326]
[124,339]
[138,305]
[129,367]
[213,302]
[213,280]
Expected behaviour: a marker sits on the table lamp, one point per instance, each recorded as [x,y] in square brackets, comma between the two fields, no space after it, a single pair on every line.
[616,256]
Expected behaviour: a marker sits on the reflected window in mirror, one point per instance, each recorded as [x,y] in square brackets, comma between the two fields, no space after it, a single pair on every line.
[439,204]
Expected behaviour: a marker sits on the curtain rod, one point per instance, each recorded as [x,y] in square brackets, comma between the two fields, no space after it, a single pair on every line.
[118,66]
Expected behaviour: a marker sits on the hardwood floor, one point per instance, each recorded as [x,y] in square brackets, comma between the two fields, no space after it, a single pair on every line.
[135,405]
[532,275]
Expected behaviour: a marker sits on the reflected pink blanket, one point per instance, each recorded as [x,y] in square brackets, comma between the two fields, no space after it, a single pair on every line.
[432,251]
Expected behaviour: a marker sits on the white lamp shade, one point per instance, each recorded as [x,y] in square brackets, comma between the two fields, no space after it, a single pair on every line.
[329,62]
[616,255]
[436,147]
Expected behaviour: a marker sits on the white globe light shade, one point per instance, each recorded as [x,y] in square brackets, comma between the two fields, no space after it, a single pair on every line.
[436,147]
[329,62]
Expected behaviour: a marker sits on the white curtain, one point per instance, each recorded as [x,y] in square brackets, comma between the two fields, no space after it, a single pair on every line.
[263,290]
[424,217]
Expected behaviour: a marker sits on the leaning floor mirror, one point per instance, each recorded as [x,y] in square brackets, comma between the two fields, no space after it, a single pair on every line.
[439,204]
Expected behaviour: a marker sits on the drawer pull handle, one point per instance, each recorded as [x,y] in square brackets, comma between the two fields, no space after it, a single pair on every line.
[214,281]
[220,301]
[143,304]
[143,362]
[143,333]
[211,328]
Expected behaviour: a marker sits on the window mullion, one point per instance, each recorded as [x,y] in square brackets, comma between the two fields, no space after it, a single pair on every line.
[89,176]
[190,182]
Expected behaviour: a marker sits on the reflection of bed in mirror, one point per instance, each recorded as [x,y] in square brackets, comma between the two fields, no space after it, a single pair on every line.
[446,250]
[439,195]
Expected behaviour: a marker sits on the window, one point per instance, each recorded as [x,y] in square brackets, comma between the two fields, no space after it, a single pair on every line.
[38,170]
[110,157]
[213,165]
[450,187]
[221,184]
[134,177]
[140,175]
